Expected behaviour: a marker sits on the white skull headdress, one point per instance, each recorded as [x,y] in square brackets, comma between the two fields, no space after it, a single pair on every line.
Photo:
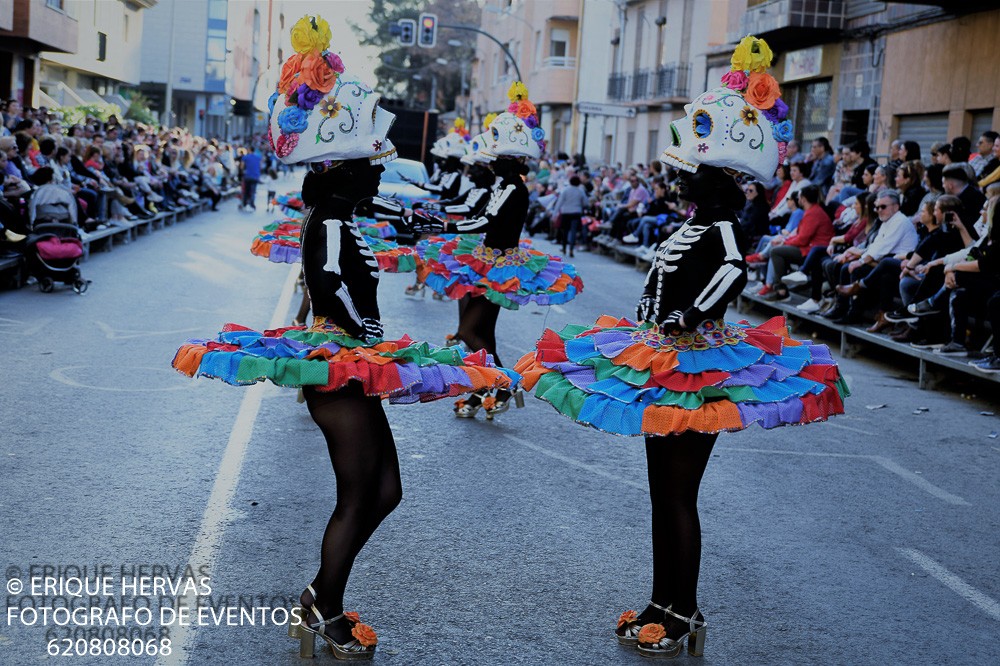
[321,113]
[515,132]
[741,125]
[477,149]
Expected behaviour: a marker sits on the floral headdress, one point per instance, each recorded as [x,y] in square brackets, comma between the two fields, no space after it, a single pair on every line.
[319,112]
[516,132]
[454,143]
[742,126]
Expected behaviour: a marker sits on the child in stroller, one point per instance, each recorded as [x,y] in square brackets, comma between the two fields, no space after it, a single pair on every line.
[53,255]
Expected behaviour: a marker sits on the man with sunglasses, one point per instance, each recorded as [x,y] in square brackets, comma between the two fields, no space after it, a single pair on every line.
[896,235]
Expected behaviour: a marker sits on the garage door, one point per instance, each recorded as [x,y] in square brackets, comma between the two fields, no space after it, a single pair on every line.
[926,129]
[981,122]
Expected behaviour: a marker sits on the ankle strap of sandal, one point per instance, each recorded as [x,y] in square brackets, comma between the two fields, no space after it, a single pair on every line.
[658,606]
[319,617]
[692,622]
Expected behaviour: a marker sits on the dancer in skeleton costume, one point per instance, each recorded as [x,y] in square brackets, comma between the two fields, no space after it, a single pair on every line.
[495,271]
[450,148]
[342,362]
[681,374]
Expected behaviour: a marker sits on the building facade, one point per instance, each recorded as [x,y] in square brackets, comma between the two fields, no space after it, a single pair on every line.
[106,57]
[543,38]
[198,57]
[28,27]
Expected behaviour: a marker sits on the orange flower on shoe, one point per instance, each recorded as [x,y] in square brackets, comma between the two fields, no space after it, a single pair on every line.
[489,402]
[762,91]
[317,73]
[626,618]
[651,634]
[288,72]
[353,616]
[365,635]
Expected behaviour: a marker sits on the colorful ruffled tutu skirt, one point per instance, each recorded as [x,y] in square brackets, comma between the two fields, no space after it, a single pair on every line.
[463,266]
[325,357]
[280,243]
[290,203]
[629,379]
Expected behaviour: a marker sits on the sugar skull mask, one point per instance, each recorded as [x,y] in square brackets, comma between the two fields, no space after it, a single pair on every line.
[477,149]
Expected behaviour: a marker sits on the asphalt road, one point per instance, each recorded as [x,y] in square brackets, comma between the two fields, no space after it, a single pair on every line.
[871,539]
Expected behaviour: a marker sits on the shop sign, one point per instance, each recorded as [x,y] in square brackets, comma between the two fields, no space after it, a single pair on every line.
[804,63]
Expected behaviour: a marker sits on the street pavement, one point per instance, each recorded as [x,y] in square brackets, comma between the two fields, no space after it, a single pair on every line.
[871,539]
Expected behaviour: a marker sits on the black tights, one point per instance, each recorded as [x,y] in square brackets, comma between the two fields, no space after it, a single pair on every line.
[676,465]
[368,485]
[477,324]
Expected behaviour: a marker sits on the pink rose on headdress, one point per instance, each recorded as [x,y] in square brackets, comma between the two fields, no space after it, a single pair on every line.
[336,64]
[735,80]
[782,151]
[512,108]
[270,137]
[286,144]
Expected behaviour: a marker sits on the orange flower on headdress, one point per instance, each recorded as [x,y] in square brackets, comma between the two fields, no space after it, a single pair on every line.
[288,72]
[628,617]
[317,74]
[364,634]
[525,109]
[762,91]
[651,634]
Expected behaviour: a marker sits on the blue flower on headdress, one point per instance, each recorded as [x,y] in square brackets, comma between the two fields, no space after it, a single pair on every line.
[538,134]
[783,131]
[293,120]
[270,102]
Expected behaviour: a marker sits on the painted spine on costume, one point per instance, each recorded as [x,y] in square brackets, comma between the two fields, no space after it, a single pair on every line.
[679,366]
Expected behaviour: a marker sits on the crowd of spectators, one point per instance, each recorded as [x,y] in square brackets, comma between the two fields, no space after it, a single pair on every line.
[97,173]
[904,245]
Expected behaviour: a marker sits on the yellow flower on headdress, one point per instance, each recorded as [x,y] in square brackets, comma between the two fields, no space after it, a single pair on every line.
[311,34]
[752,55]
[517,92]
[490,117]
[459,124]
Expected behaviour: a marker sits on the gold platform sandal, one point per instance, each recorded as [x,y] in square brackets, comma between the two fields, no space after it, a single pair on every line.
[653,641]
[360,648]
[295,630]
[466,409]
[416,288]
[627,631]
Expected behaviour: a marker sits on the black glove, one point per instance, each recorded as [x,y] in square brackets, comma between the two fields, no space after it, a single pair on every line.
[431,206]
[645,308]
[417,205]
[373,328]
[421,223]
[673,320]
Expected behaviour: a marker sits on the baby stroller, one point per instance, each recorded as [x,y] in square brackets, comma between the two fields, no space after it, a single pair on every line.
[53,255]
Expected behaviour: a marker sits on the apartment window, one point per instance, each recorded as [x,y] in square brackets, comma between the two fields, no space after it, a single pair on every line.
[217,9]
[102,46]
[538,48]
[55,4]
[559,43]
[630,148]
[216,48]
[653,147]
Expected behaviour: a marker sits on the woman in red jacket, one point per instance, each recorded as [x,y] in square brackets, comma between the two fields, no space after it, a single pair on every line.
[815,230]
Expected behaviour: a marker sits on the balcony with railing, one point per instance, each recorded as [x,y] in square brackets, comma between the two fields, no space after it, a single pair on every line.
[666,84]
[566,62]
[793,24]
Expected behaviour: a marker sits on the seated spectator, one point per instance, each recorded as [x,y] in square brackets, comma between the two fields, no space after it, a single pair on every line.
[767,242]
[990,177]
[51,201]
[815,230]
[894,160]
[649,229]
[822,164]
[627,210]
[895,235]
[909,151]
[799,173]
[753,217]
[941,153]
[958,182]
[985,161]
[908,178]
[961,149]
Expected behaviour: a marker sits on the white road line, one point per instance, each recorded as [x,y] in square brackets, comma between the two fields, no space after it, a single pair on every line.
[593,469]
[218,511]
[885,463]
[919,481]
[831,424]
[558,308]
[981,601]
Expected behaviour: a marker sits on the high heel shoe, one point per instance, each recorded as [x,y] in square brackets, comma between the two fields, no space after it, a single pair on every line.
[451,340]
[653,641]
[496,406]
[629,626]
[295,630]
[418,288]
[466,409]
[360,648]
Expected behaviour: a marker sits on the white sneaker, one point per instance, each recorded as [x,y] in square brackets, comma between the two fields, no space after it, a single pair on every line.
[808,307]
[796,279]
[631,239]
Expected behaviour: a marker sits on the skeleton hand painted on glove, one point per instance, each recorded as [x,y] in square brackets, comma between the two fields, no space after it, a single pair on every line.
[373,327]
[644,309]
[431,206]
[673,320]
[426,224]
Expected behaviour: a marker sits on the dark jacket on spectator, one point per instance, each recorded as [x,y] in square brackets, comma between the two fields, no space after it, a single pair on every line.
[753,218]
[972,204]
[910,204]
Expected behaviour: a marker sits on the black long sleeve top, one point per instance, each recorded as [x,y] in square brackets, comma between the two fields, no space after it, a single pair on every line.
[699,269]
[447,188]
[503,217]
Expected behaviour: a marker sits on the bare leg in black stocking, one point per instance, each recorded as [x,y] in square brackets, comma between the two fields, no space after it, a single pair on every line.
[676,466]
[368,489]
[477,325]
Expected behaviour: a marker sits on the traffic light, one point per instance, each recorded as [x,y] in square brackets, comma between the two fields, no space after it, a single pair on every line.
[407,32]
[427,37]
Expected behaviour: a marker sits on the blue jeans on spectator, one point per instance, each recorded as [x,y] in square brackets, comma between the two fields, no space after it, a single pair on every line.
[848,191]
[570,223]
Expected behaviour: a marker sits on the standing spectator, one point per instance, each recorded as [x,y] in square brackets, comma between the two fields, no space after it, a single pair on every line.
[251,177]
[821,173]
[569,206]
